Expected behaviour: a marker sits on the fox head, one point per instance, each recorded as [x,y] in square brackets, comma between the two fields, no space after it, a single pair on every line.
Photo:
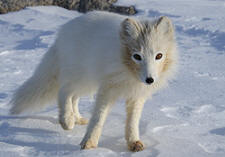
[148,48]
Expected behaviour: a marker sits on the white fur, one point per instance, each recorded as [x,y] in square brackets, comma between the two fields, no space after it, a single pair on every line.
[86,59]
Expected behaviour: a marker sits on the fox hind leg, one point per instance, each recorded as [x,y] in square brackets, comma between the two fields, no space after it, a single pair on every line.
[79,119]
[66,114]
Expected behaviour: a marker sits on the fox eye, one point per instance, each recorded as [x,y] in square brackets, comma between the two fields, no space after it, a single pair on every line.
[158,56]
[137,57]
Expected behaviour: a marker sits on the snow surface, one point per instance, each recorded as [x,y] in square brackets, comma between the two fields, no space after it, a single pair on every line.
[187,119]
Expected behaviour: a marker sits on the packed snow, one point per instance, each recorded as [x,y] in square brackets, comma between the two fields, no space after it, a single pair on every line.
[186,119]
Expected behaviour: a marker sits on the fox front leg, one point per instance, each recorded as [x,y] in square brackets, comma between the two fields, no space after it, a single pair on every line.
[101,110]
[134,110]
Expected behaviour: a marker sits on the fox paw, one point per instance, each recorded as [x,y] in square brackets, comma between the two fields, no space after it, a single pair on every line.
[81,121]
[136,146]
[87,145]
[67,122]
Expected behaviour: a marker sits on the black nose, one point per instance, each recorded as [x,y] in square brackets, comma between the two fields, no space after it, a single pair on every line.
[149,80]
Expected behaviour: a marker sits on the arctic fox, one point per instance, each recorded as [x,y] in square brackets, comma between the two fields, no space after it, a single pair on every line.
[110,55]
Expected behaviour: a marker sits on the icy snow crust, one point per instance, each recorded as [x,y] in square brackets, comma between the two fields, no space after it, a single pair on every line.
[187,119]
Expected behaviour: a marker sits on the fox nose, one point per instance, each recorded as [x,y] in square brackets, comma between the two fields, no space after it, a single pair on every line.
[149,80]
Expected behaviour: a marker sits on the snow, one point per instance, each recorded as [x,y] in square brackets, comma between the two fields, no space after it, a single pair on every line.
[186,119]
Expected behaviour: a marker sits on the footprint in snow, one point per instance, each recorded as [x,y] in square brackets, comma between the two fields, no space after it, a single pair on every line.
[218,131]
[184,112]
[205,74]
[177,112]
[204,109]
[3,95]
[169,127]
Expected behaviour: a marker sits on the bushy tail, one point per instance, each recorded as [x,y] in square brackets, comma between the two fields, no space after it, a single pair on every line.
[40,89]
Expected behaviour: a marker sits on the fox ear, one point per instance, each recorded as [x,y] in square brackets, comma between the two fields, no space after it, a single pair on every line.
[164,25]
[130,29]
